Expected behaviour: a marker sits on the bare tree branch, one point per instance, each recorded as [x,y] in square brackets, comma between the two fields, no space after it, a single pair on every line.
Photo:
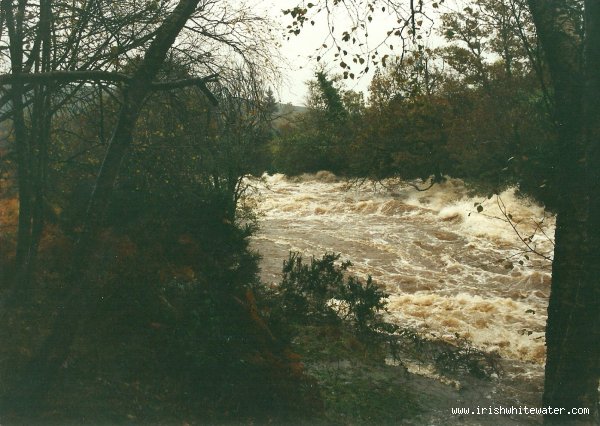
[105,76]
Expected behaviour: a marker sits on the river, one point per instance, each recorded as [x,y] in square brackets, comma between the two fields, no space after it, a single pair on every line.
[450,269]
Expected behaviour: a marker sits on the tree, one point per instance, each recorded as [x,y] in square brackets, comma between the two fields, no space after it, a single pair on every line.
[569,34]
[58,47]
[45,37]
[405,122]
[319,138]
[331,99]
[125,46]
[573,55]
[56,348]
[244,127]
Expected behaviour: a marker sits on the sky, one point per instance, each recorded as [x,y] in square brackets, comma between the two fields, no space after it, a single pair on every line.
[300,53]
[298,67]
[297,51]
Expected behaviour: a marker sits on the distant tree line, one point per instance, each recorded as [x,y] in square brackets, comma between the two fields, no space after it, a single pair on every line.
[476,108]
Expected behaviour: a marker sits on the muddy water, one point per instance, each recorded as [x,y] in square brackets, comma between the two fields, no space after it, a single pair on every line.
[449,269]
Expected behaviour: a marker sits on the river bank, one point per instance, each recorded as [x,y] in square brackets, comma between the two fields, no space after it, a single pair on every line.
[455,270]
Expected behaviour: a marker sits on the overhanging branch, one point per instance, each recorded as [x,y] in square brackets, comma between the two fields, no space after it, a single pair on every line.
[59,77]
[64,77]
[200,82]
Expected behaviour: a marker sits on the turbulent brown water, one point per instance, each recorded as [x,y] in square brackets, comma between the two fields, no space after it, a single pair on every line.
[449,269]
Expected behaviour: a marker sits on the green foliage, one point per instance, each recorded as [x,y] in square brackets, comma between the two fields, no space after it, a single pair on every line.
[306,288]
[466,358]
[488,29]
[450,359]
[320,138]
[332,100]
[301,149]
[322,291]
[457,110]
[172,261]
[363,302]
[405,134]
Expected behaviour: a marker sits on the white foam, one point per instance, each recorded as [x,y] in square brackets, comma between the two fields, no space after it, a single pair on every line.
[450,269]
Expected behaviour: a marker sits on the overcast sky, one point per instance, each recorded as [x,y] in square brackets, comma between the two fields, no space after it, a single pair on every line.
[301,52]
[299,49]
[298,66]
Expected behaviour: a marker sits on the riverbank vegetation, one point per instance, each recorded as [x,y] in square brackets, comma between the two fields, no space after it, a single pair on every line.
[126,278]
[476,108]
[528,112]
[170,333]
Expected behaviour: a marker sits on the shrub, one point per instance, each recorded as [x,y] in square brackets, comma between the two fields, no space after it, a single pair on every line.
[321,290]
[364,302]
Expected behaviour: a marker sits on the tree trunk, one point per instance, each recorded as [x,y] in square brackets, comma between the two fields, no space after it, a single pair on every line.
[41,121]
[82,293]
[571,377]
[14,24]
[31,144]
[591,114]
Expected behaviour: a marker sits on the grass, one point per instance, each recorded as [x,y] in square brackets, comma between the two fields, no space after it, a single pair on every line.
[355,383]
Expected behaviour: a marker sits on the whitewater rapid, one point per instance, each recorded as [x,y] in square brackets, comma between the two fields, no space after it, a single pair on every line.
[451,270]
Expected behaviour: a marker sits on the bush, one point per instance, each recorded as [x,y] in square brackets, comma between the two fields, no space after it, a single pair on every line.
[321,290]
[364,302]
